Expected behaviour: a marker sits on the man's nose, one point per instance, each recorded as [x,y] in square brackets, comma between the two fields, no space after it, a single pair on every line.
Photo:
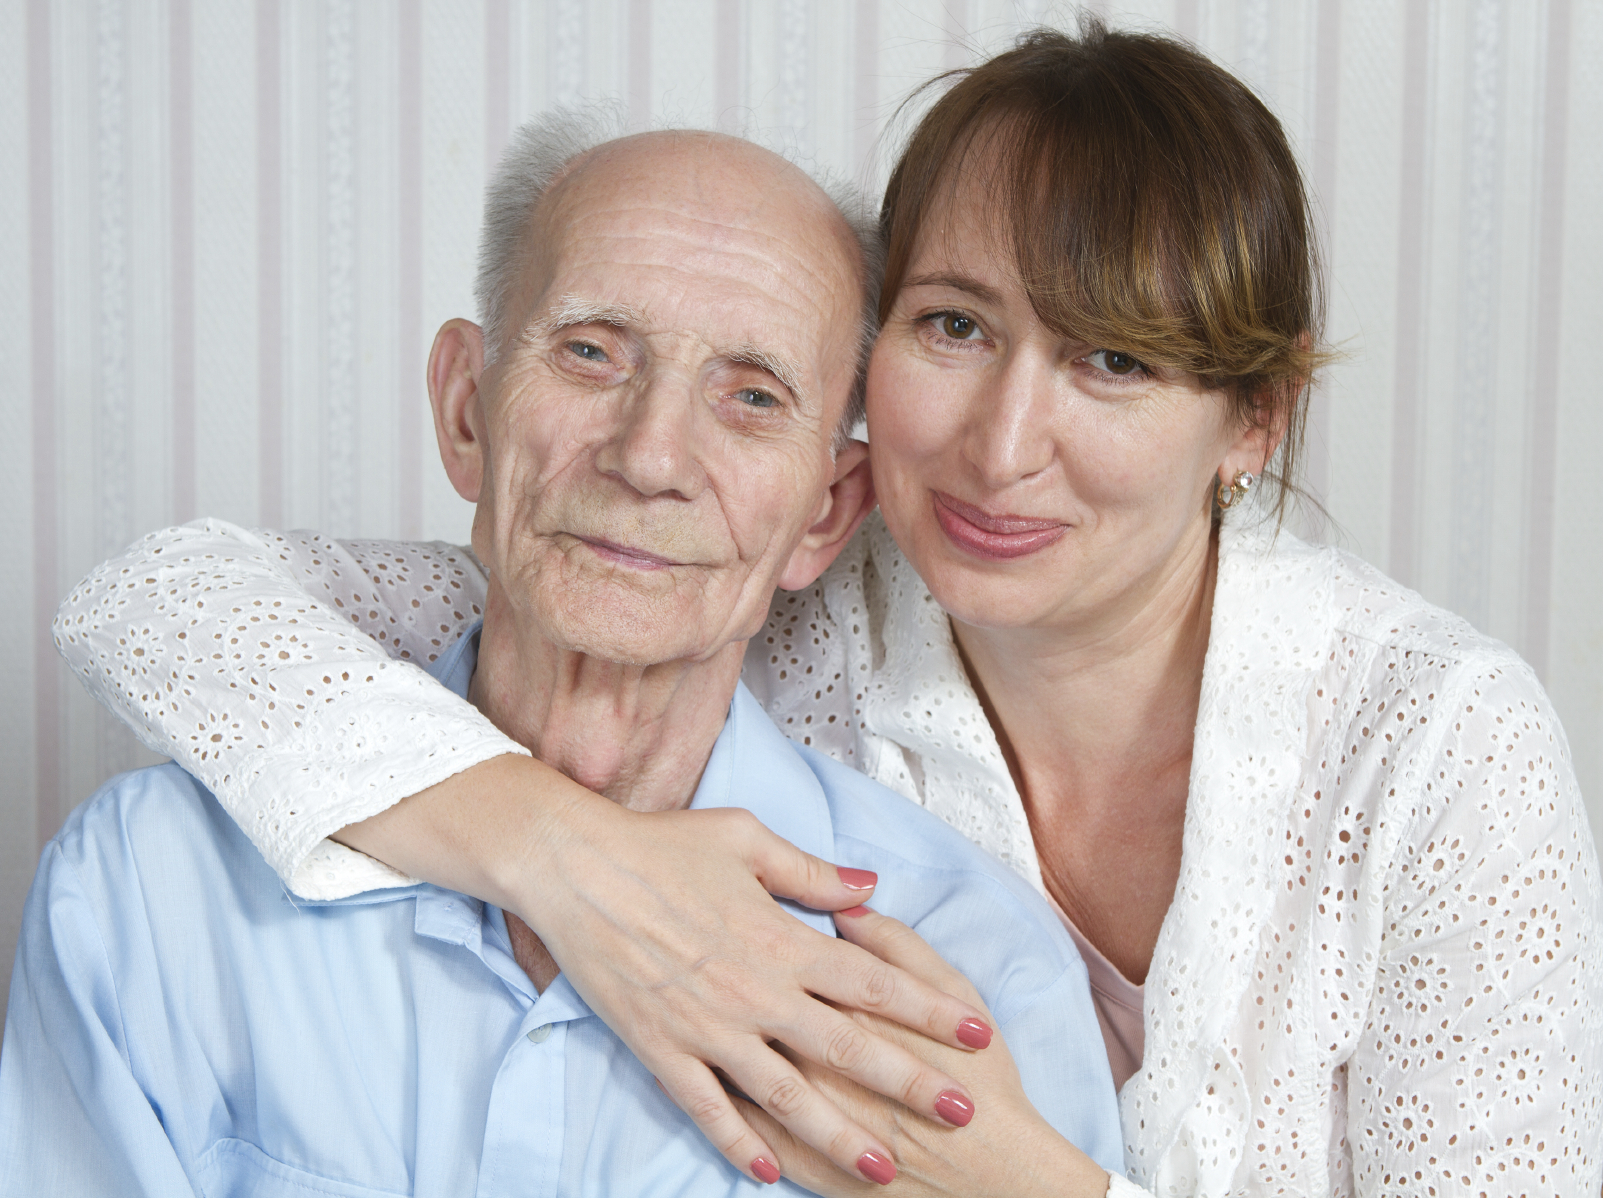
[655,446]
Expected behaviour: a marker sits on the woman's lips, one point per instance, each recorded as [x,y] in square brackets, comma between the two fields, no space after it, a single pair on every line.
[996,538]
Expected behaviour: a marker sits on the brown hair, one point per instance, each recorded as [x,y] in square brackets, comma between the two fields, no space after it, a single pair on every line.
[1152,204]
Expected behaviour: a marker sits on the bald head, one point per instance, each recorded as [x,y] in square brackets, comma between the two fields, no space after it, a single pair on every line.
[566,152]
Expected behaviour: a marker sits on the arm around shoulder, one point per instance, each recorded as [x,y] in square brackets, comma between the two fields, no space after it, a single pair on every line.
[250,658]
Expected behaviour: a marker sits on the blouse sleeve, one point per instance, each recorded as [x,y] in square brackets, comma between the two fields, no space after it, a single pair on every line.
[1481,1068]
[279,670]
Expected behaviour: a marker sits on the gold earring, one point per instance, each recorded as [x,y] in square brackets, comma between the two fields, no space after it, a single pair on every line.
[1226,494]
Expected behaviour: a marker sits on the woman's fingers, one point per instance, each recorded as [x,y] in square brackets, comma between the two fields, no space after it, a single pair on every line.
[807,1116]
[853,1048]
[801,1162]
[896,944]
[695,1090]
[787,872]
[912,986]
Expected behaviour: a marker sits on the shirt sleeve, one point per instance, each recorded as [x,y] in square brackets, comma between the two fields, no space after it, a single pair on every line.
[73,1117]
[279,670]
[1057,1046]
[1481,1068]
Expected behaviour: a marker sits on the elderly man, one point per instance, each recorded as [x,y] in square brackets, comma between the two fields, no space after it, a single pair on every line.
[649,426]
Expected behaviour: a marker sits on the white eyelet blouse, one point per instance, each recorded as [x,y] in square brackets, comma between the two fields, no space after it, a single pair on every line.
[1382,970]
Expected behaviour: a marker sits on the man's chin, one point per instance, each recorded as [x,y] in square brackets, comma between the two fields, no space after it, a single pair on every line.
[627,633]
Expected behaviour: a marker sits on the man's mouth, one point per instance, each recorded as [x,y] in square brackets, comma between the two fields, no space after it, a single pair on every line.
[995,537]
[624,555]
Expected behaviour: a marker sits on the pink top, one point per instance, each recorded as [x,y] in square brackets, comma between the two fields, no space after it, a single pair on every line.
[1118,1005]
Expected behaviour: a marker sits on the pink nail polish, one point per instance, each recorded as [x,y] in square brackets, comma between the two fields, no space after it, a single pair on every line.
[857,879]
[854,912]
[765,1171]
[876,1168]
[974,1033]
[954,1108]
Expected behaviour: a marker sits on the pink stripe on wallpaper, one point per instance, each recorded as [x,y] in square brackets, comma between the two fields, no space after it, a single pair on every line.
[1327,133]
[182,183]
[1409,321]
[638,85]
[1188,19]
[865,82]
[42,352]
[497,80]
[269,265]
[727,68]
[409,160]
[1545,344]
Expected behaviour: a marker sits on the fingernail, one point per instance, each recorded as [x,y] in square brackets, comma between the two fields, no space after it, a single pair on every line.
[876,1168]
[765,1170]
[954,1108]
[854,912]
[857,879]
[974,1033]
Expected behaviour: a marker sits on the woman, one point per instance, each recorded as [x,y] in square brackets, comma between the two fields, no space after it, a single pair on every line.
[1320,843]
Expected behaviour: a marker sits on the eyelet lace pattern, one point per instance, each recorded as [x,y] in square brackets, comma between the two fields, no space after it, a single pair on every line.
[1382,971]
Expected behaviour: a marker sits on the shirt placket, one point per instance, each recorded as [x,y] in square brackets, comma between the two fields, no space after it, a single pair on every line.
[527,1121]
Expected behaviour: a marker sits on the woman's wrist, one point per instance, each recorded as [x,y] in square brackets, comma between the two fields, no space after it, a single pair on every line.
[489,831]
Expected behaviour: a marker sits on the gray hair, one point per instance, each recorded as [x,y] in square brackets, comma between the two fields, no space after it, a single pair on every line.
[539,154]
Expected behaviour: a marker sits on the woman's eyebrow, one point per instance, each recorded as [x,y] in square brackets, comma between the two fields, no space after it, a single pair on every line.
[980,291]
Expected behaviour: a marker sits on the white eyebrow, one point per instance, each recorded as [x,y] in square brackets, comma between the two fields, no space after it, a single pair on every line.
[570,310]
[782,370]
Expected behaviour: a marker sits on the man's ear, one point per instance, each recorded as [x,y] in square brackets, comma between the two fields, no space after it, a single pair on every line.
[844,508]
[456,364]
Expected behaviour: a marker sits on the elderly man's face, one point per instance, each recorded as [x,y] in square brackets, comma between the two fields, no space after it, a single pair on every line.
[655,442]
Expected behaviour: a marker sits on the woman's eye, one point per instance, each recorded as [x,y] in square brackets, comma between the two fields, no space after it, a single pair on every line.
[957,326]
[1113,361]
[590,353]
[756,399]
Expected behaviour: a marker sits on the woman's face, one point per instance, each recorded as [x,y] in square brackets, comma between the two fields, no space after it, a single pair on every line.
[1033,480]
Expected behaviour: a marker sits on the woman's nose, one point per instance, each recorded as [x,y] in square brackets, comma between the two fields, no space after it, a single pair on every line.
[1009,429]
[654,448]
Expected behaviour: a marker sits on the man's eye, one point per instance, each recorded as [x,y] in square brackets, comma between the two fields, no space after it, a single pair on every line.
[1114,361]
[957,326]
[590,353]
[756,399]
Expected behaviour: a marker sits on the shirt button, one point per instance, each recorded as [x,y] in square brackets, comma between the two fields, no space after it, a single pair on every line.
[540,1034]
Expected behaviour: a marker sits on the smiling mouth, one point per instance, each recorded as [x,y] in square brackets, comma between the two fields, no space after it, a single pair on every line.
[995,538]
[622,555]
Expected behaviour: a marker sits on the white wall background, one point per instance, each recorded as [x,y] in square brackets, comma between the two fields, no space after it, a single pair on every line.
[231,226]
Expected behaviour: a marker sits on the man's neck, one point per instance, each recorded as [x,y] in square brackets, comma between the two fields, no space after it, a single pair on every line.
[640,735]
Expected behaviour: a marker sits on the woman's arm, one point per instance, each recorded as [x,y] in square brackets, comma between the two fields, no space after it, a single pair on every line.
[1482,1060]
[247,657]
[251,660]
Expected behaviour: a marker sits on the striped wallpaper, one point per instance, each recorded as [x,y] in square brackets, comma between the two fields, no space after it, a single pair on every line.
[234,225]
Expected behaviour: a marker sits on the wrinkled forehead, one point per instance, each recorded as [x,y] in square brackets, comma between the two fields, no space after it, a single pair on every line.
[721,240]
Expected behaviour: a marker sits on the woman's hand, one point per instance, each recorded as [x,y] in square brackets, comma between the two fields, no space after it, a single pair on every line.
[664,923]
[1007,1150]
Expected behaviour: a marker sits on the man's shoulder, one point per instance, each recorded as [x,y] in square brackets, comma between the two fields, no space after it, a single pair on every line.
[866,810]
[154,823]
[971,907]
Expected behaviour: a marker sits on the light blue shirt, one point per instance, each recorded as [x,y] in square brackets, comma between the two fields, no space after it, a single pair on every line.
[178,1024]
